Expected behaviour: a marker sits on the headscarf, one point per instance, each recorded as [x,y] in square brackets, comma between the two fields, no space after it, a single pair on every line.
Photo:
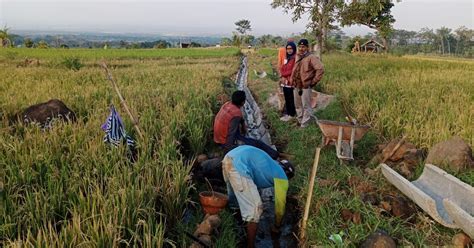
[293,45]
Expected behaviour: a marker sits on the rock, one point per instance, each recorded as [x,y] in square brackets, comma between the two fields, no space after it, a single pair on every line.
[378,239]
[214,220]
[44,113]
[400,152]
[320,101]
[454,154]
[205,229]
[461,240]
[346,214]
[206,239]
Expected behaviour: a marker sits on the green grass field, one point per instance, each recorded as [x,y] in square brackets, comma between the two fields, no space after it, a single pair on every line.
[64,187]
[425,99]
[52,54]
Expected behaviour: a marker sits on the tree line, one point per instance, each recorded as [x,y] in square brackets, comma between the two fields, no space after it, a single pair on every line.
[442,41]
[326,16]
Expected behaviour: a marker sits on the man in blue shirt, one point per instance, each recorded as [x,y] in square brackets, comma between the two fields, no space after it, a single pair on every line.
[248,170]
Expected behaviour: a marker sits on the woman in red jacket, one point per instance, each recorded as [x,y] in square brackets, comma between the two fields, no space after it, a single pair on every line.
[285,81]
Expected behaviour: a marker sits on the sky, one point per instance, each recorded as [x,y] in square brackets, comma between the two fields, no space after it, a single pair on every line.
[206,17]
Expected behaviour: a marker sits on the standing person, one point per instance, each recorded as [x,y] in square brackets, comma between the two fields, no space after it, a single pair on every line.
[282,54]
[286,82]
[307,72]
[229,127]
[250,174]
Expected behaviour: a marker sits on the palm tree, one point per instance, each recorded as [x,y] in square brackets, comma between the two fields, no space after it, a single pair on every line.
[443,34]
[5,37]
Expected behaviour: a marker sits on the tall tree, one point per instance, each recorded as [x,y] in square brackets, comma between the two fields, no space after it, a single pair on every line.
[402,37]
[278,41]
[322,15]
[443,34]
[428,38]
[375,14]
[236,39]
[264,40]
[226,41]
[249,39]
[5,36]
[243,26]
[42,44]
[463,37]
[28,43]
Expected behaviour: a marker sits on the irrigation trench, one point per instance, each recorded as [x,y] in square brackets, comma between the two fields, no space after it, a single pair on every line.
[257,130]
[252,114]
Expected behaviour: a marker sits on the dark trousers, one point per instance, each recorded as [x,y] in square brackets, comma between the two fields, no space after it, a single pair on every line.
[289,101]
[259,144]
[252,142]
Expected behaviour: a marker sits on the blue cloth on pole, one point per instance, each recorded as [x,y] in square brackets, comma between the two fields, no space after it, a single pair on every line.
[115,133]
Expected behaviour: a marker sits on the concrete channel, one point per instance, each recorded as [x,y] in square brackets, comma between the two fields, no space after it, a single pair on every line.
[257,130]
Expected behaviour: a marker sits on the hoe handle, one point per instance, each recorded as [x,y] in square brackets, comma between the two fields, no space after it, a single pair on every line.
[310,194]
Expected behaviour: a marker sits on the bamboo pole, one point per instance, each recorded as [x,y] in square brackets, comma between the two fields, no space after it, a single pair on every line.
[122,100]
[310,194]
[394,149]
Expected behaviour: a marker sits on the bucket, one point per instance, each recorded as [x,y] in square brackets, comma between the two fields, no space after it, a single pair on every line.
[212,202]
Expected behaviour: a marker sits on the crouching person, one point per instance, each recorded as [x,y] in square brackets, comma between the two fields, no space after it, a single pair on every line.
[229,127]
[248,171]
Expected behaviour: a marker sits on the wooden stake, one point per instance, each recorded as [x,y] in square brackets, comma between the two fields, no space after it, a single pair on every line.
[394,149]
[310,194]
[122,100]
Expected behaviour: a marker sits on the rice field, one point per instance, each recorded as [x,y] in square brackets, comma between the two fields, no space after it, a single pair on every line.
[64,186]
[428,100]
[82,53]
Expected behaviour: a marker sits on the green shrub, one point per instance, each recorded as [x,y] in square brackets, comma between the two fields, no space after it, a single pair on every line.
[72,63]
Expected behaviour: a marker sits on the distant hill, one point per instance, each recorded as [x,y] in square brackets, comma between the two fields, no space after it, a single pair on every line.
[90,39]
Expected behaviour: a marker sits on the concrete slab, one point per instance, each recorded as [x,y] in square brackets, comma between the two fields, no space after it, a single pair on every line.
[444,197]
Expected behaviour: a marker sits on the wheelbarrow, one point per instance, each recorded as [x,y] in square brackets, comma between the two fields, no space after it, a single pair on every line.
[343,135]
[448,200]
